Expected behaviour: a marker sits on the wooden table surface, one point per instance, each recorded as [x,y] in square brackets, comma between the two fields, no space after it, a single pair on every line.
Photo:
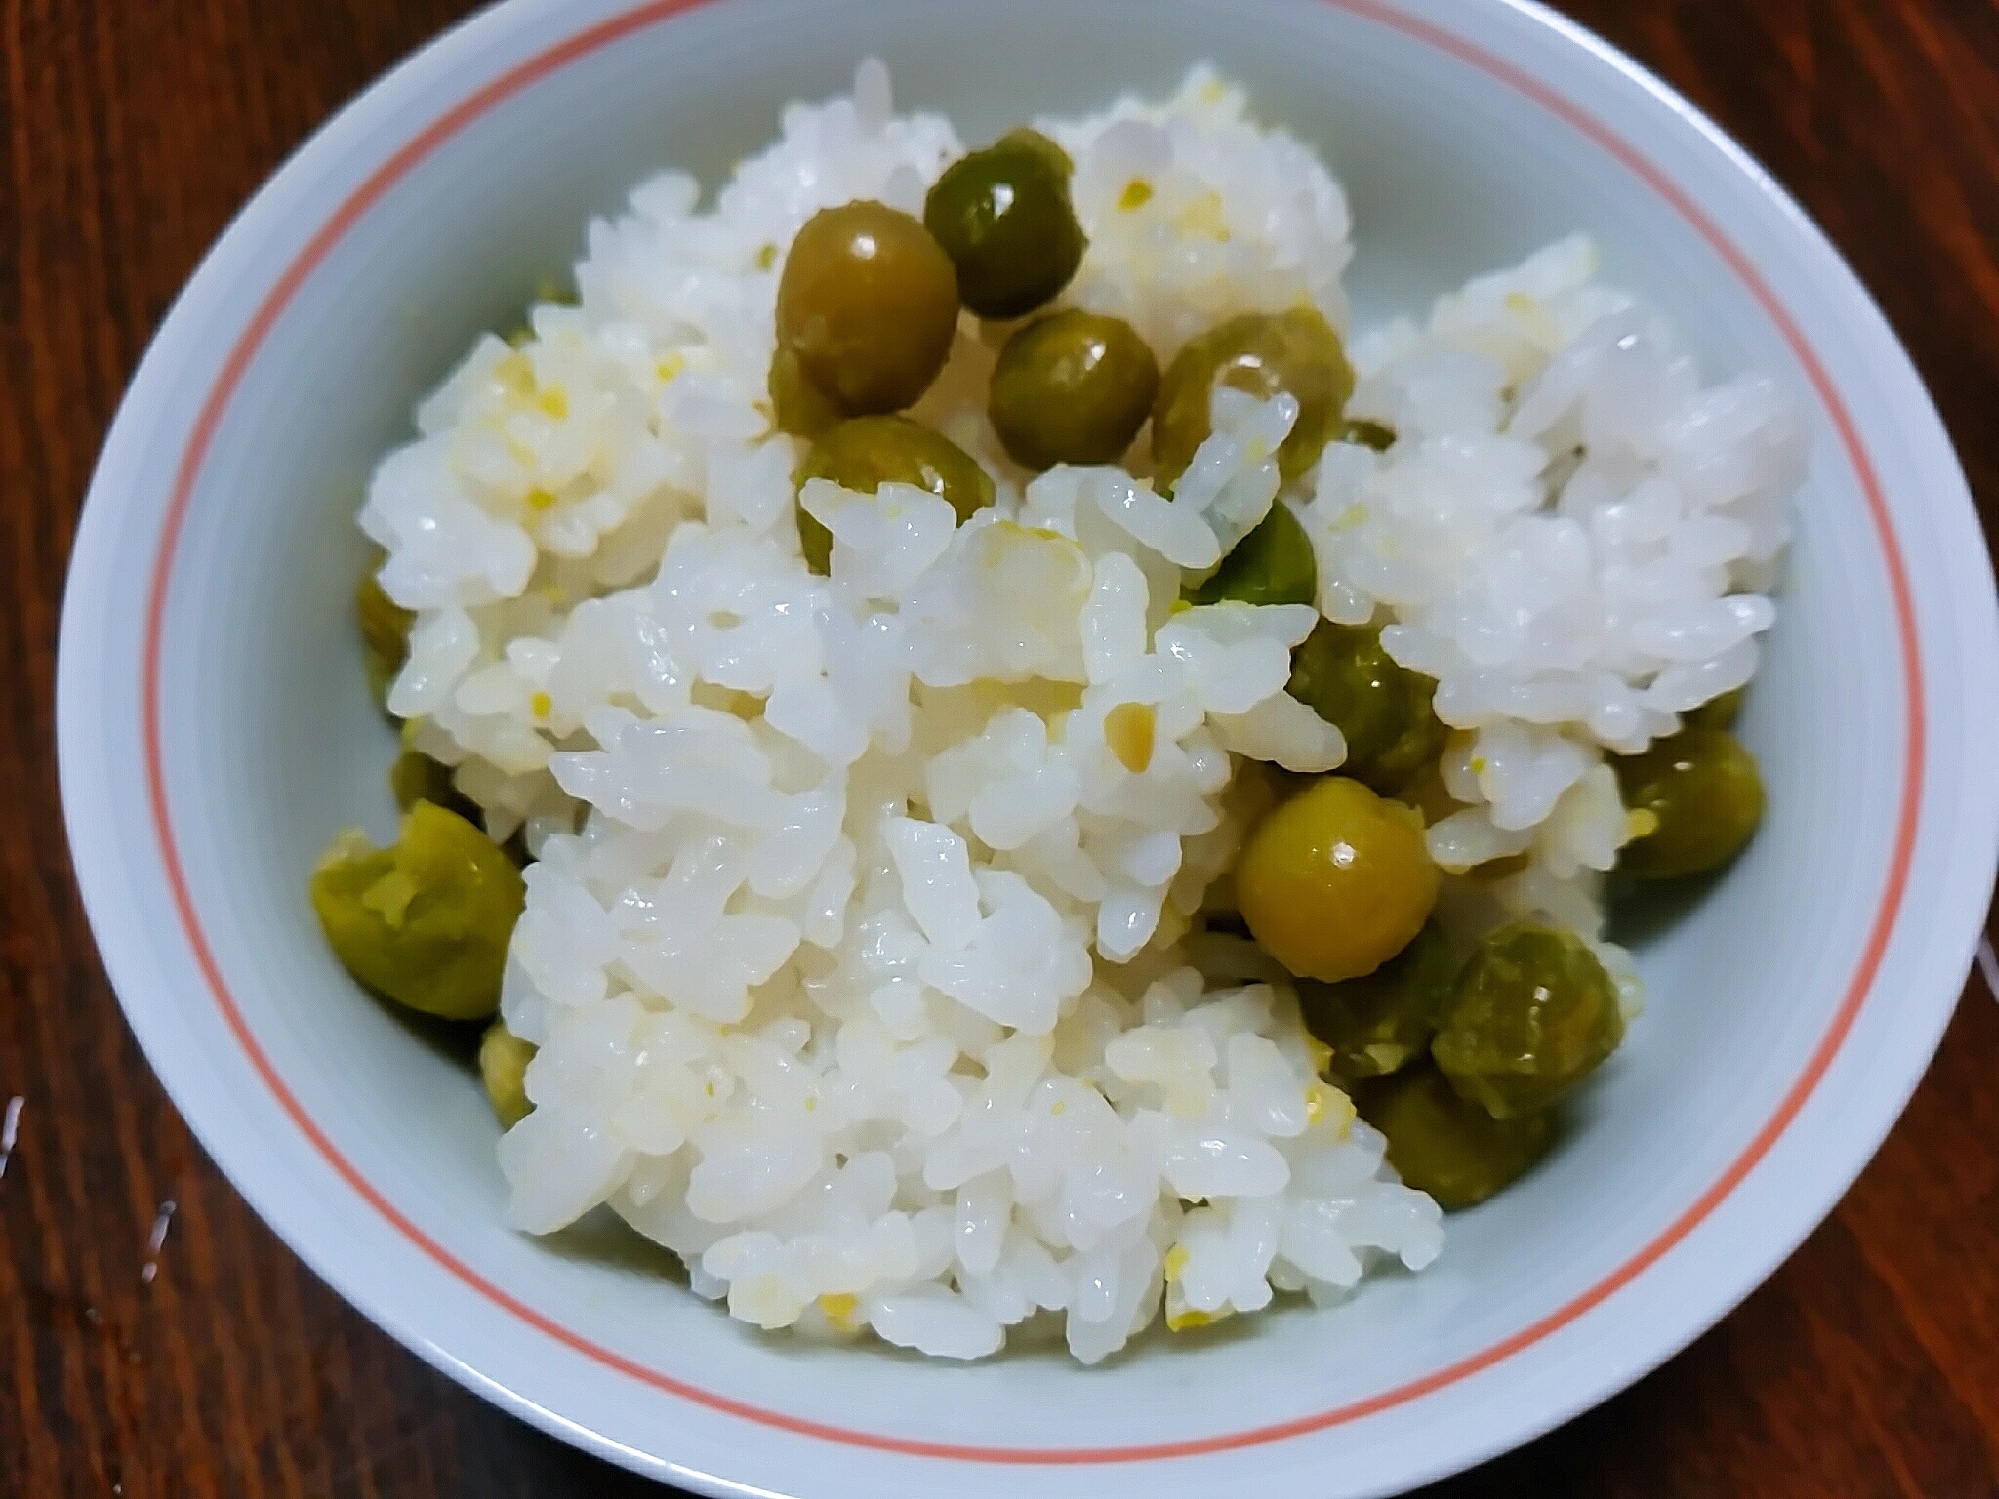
[1868,1365]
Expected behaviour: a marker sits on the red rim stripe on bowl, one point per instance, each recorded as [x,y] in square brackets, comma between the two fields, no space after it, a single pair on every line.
[603,34]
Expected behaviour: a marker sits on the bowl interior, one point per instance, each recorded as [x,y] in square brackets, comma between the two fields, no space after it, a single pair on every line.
[271,744]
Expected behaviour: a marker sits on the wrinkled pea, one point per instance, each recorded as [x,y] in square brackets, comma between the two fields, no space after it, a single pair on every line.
[1385,710]
[1380,1022]
[426,921]
[1272,565]
[1533,1012]
[1004,217]
[868,306]
[1335,880]
[1446,1146]
[1073,387]
[1262,353]
[870,451]
[1696,798]
[503,1067]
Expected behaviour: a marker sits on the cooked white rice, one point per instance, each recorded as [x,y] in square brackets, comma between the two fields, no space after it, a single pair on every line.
[866,985]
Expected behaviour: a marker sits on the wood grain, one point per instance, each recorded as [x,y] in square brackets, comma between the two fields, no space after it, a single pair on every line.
[1868,1365]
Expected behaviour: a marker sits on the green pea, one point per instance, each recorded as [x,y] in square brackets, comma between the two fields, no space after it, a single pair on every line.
[1385,710]
[1378,1023]
[797,405]
[1700,796]
[1445,1146]
[1262,353]
[415,777]
[503,1066]
[1272,565]
[426,921]
[1004,217]
[1073,387]
[1532,1013]
[1720,712]
[385,632]
[1334,881]
[870,451]
[868,305]
[1027,138]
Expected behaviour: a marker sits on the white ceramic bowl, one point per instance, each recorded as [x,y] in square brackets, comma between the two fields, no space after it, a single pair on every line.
[215,732]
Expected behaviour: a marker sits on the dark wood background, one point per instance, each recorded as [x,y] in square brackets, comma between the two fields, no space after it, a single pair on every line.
[1869,1365]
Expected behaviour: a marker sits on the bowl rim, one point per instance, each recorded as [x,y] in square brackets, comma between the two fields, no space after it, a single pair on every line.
[596,35]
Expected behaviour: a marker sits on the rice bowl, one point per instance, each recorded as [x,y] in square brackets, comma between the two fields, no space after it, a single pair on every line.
[861,965]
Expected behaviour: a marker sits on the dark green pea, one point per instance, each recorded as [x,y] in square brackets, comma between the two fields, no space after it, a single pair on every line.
[1272,565]
[1442,1145]
[1720,712]
[415,777]
[1262,353]
[868,305]
[1380,1022]
[1702,797]
[1073,387]
[1384,709]
[426,921]
[1427,793]
[1533,1012]
[1004,217]
[503,1067]
[797,405]
[870,451]
[385,633]
[1027,138]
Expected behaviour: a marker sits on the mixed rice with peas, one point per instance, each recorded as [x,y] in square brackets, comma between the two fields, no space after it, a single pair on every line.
[994,772]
